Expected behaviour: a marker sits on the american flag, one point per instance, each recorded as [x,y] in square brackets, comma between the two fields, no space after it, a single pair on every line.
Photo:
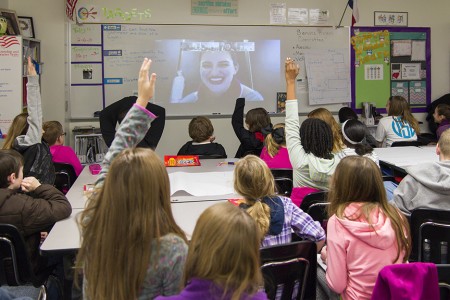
[355,11]
[70,7]
[7,41]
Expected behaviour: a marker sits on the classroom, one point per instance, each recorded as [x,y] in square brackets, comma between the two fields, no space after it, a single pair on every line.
[67,98]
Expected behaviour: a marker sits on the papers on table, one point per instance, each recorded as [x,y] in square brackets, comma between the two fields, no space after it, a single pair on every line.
[201,184]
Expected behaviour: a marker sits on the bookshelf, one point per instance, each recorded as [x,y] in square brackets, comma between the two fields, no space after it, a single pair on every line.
[89,145]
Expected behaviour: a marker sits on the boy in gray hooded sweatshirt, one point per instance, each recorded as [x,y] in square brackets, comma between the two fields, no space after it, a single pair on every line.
[427,185]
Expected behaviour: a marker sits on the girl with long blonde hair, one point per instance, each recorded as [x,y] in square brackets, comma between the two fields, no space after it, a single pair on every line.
[364,232]
[326,116]
[275,153]
[399,125]
[277,217]
[223,259]
[131,246]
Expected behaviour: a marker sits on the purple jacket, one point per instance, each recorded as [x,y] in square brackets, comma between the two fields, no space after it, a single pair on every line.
[206,289]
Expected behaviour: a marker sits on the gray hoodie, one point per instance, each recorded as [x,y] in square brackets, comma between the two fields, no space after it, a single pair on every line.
[426,186]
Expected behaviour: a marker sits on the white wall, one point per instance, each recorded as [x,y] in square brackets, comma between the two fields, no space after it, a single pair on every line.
[49,21]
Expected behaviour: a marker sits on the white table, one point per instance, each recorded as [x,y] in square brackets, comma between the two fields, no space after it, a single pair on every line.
[406,156]
[65,236]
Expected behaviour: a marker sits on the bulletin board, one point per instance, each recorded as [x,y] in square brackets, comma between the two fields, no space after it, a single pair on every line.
[391,61]
[105,59]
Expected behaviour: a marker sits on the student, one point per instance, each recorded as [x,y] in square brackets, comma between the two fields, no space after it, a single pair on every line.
[31,212]
[399,125]
[223,259]
[218,71]
[346,113]
[54,135]
[201,132]
[252,139]
[131,246]
[277,217]
[275,153]
[442,117]
[354,133]
[311,152]
[25,134]
[325,115]
[364,232]
[427,185]
[115,112]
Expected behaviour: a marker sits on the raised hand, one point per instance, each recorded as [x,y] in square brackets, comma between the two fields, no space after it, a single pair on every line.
[292,70]
[31,68]
[146,84]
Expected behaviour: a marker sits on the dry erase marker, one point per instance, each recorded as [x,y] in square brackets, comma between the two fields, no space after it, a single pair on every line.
[216,113]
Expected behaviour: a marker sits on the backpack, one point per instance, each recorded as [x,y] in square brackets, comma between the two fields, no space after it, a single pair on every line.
[38,163]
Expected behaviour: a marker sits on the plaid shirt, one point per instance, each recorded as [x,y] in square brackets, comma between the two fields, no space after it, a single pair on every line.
[297,221]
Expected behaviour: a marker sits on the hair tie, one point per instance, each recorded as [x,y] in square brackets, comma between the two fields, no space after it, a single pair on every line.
[266,130]
[278,135]
[346,137]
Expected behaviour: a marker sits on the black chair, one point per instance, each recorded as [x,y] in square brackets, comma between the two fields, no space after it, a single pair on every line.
[406,143]
[16,268]
[283,181]
[430,233]
[312,198]
[65,176]
[291,268]
[444,280]
[318,212]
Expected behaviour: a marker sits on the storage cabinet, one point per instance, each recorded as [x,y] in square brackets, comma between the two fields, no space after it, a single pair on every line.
[89,144]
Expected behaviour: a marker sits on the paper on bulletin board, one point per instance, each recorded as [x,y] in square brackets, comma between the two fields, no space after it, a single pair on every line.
[318,16]
[10,80]
[418,50]
[373,72]
[401,48]
[278,13]
[400,89]
[417,93]
[298,16]
[86,73]
[410,71]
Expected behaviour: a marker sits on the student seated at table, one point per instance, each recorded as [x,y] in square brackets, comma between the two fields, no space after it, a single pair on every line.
[310,152]
[325,115]
[25,134]
[275,153]
[131,246]
[427,185]
[54,135]
[354,133]
[29,205]
[277,217]
[252,137]
[364,232]
[442,117]
[346,113]
[201,132]
[399,125]
[115,112]
[223,259]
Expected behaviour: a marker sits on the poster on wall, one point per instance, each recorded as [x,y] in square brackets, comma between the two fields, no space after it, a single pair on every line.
[10,80]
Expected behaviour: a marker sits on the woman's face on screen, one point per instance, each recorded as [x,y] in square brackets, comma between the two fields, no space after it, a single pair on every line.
[217,70]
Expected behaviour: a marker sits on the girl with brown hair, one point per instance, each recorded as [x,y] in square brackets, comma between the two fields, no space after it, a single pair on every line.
[364,232]
[326,116]
[223,259]
[399,125]
[131,246]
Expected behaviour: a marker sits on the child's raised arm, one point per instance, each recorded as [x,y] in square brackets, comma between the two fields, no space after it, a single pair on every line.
[34,132]
[137,121]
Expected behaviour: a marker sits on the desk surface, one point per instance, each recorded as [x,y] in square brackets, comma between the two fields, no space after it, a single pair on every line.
[406,156]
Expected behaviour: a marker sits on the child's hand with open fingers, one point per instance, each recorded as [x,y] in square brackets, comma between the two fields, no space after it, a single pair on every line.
[29,184]
[146,84]
[292,69]
[31,68]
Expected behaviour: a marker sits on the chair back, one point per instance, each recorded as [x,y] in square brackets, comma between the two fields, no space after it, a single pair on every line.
[15,263]
[290,270]
[312,198]
[444,281]
[283,181]
[430,233]
[406,143]
[318,211]
[65,176]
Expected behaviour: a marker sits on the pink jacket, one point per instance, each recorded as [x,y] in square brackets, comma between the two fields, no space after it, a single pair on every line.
[357,251]
[65,154]
[279,161]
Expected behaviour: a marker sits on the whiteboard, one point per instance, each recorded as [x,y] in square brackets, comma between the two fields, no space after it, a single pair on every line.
[202,69]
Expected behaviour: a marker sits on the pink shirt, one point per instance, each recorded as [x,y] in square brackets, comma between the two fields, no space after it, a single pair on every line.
[279,161]
[66,155]
[356,252]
